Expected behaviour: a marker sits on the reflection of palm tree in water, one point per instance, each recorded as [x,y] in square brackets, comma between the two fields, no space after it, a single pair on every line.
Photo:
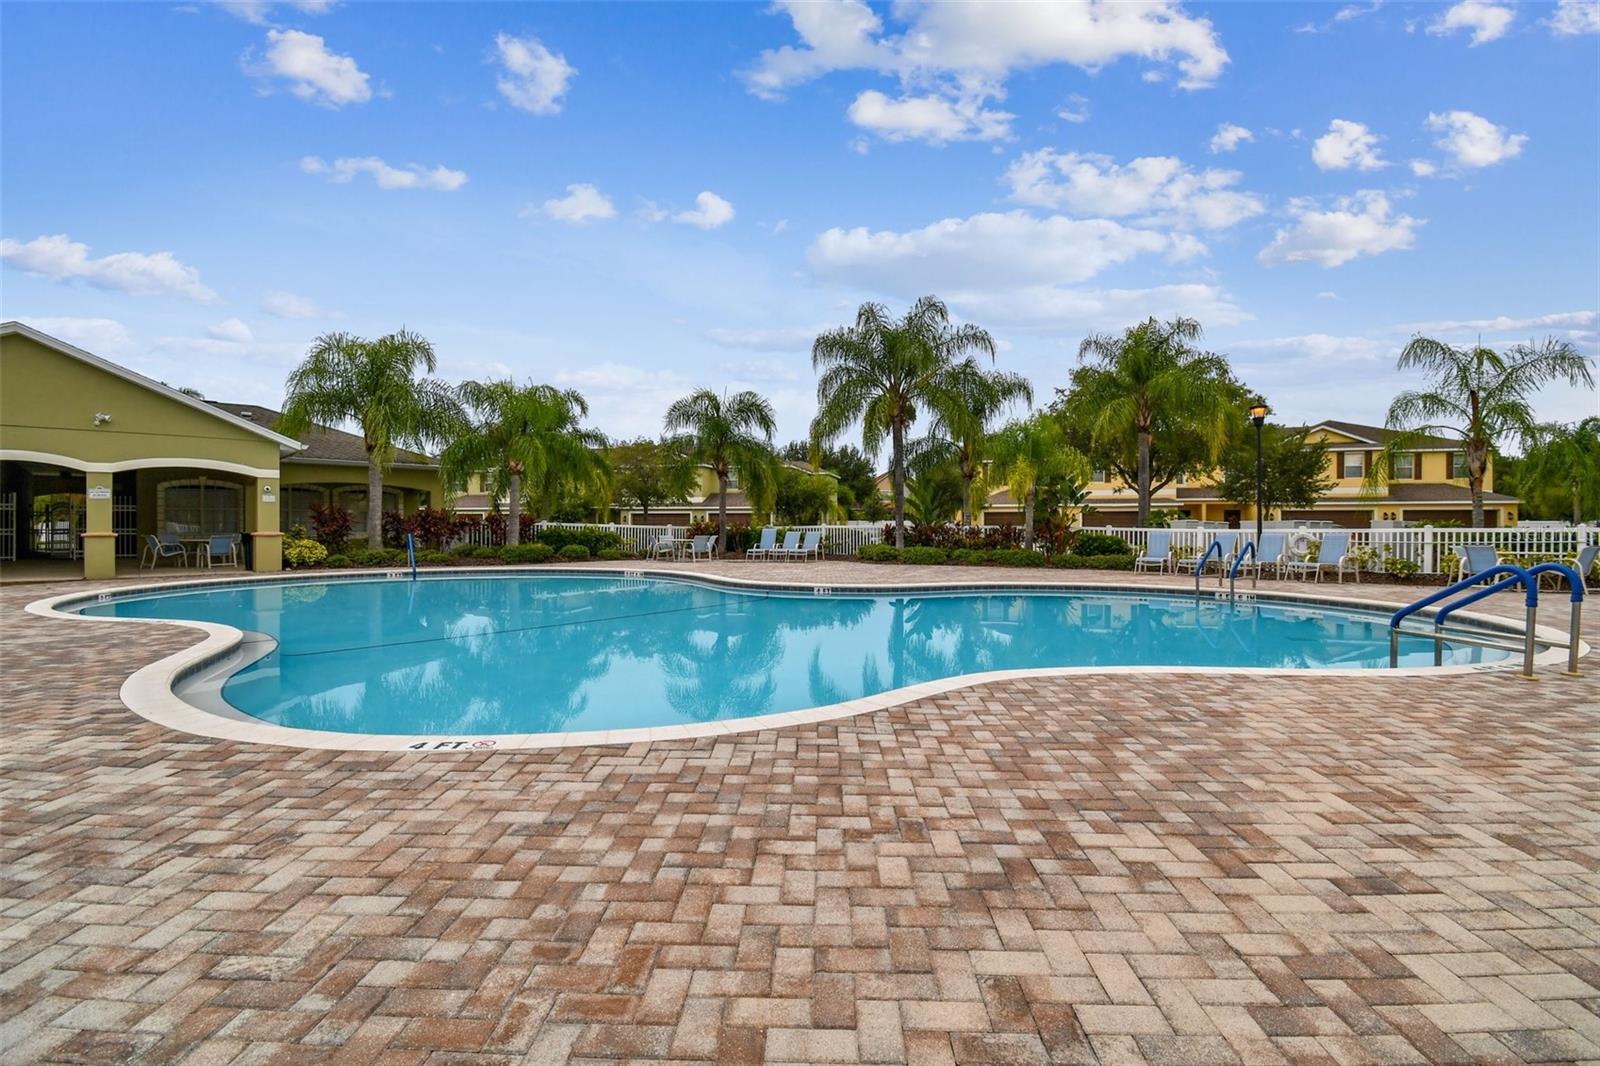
[728,675]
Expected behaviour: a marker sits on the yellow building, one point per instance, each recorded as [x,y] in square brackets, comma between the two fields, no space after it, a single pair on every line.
[94,458]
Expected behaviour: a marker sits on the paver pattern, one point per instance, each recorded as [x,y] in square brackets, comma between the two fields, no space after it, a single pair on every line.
[1169,869]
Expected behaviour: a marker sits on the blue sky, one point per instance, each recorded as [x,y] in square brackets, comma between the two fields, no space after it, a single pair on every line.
[636,200]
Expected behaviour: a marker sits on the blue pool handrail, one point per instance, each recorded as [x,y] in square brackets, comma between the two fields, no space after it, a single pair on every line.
[1516,576]
[1200,567]
[1249,550]
[1575,583]
[1522,577]
[411,554]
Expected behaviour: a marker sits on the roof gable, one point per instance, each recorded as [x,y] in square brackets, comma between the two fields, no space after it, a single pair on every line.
[320,444]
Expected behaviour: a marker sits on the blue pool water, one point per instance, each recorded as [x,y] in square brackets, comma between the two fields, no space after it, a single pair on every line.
[533,653]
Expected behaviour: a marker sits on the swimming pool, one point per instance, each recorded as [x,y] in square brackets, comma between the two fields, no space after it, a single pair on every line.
[519,653]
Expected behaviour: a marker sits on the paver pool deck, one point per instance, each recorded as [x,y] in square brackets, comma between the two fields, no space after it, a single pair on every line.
[1096,868]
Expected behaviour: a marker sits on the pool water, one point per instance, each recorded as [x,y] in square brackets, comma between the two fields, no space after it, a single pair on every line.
[535,653]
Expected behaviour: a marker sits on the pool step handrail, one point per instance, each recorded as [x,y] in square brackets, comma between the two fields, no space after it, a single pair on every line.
[411,554]
[1575,623]
[1200,567]
[1511,576]
[1249,550]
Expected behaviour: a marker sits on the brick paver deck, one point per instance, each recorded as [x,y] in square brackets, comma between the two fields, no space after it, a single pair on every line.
[1090,869]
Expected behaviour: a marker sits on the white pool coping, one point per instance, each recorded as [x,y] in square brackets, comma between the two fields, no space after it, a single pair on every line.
[149,691]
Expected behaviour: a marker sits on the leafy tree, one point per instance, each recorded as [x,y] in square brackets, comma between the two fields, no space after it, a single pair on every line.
[804,499]
[1149,400]
[530,442]
[1033,457]
[647,473]
[729,434]
[879,370]
[1477,395]
[858,480]
[1563,461]
[933,492]
[1294,470]
[374,384]
[966,400]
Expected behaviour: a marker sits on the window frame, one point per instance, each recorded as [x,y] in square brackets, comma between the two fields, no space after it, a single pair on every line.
[1344,464]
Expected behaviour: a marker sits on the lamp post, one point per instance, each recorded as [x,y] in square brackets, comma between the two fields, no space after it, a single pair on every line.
[1258,415]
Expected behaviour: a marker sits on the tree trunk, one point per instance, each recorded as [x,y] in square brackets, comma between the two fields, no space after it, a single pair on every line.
[374,505]
[1144,477]
[1027,518]
[722,512]
[969,474]
[514,505]
[899,464]
[1476,454]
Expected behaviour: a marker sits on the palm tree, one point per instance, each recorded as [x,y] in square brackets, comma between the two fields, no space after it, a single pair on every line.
[1031,454]
[1477,395]
[730,434]
[374,384]
[527,437]
[1566,458]
[879,370]
[965,401]
[933,491]
[1147,379]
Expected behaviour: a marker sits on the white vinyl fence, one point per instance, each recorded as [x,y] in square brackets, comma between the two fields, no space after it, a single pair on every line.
[839,540]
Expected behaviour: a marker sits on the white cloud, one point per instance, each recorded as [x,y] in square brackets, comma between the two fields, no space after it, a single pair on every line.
[411,176]
[1473,140]
[1573,17]
[583,203]
[1318,348]
[1053,308]
[1228,137]
[257,12]
[1327,294]
[100,336]
[1154,188]
[1486,21]
[651,211]
[1347,144]
[313,72]
[781,339]
[1581,321]
[232,330]
[533,78]
[932,118]
[1075,110]
[1363,224]
[282,304]
[987,251]
[962,54]
[61,258]
[709,212]
[1423,169]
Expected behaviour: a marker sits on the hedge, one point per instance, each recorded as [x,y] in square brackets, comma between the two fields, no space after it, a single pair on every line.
[591,539]
[1094,562]
[1088,542]
[527,553]
[576,553]
[924,556]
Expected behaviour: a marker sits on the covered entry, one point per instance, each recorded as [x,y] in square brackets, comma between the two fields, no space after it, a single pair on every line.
[93,458]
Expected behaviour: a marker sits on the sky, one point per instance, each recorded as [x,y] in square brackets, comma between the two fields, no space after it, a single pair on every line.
[636,200]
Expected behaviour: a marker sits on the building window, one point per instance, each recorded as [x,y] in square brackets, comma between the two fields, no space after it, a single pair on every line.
[1458,465]
[298,502]
[355,501]
[1098,475]
[200,507]
[1405,465]
[1354,465]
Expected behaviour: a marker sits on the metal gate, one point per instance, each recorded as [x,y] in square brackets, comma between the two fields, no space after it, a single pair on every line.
[56,528]
[125,524]
[8,527]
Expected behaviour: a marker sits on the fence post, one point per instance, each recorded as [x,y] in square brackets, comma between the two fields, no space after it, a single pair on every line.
[1430,558]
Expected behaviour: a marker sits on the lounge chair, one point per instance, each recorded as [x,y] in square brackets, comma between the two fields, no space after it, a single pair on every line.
[811,546]
[769,540]
[1333,552]
[1228,542]
[1270,552]
[1157,553]
[1476,558]
[789,549]
[221,546]
[665,546]
[159,547]
[703,545]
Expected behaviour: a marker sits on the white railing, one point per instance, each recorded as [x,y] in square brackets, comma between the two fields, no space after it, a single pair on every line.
[838,540]
[1428,546]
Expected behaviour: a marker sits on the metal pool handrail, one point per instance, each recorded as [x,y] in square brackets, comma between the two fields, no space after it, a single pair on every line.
[1518,576]
[1249,550]
[1200,567]
[1575,582]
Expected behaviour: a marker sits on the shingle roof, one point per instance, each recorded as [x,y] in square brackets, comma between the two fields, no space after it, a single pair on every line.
[737,501]
[1382,436]
[1434,492]
[322,445]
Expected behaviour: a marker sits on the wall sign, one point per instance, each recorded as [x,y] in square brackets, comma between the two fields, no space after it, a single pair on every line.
[99,492]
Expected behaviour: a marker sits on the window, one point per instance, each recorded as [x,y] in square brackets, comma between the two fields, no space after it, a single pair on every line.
[355,501]
[297,504]
[1354,465]
[200,507]
[1458,465]
[1098,475]
[1405,465]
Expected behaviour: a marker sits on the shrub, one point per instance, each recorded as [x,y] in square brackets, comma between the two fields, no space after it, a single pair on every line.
[431,558]
[483,551]
[378,557]
[591,539]
[575,553]
[878,553]
[1088,542]
[1094,562]
[613,554]
[430,527]
[463,550]
[300,551]
[1400,567]
[336,562]
[924,556]
[332,524]
[950,537]
[527,553]
[968,556]
[1014,557]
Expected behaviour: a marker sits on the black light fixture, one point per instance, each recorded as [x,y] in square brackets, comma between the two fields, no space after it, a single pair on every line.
[1258,415]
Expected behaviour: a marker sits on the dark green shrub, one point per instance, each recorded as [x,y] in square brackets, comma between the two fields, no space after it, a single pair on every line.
[878,553]
[483,551]
[613,554]
[463,550]
[1094,562]
[1014,557]
[574,553]
[1088,542]
[378,557]
[968,556]
[336,562]
[527,553]
[591,538]
[924,556]
[427,558]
